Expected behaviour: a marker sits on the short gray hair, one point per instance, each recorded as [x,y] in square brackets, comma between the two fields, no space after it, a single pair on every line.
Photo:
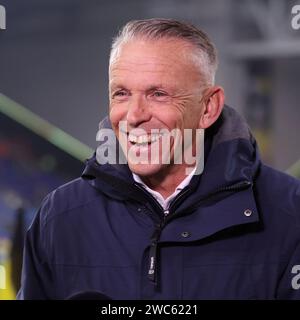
[155,29]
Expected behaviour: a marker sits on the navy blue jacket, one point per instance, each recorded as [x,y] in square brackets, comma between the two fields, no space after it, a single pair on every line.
[233,233]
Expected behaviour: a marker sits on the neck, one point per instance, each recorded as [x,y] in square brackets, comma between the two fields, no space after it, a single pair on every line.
[166,183]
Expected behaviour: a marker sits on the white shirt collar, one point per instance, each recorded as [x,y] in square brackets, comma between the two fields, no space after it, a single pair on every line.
[165,202]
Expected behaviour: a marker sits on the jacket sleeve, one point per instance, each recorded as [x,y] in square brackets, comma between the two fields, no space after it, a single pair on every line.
[289,285]
[36,281]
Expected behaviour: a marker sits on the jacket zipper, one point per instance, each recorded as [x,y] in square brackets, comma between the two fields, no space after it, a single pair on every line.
[152,262]
[153,200]
[152,269]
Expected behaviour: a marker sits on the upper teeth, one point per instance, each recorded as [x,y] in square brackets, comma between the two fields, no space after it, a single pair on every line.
[144,138]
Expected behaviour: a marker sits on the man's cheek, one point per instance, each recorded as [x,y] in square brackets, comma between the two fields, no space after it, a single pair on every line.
[114,120]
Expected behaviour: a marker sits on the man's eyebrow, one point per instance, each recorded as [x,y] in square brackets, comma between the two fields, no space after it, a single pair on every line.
[115,86]
[151,87]
[160,86]
[155,87]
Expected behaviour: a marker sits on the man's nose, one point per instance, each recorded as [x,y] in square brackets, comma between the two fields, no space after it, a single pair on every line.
[138,111]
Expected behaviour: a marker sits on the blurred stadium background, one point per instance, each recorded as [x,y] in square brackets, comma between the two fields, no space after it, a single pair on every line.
[53,91]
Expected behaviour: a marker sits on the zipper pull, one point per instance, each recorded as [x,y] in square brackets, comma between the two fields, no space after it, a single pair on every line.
[152,270]
[152,262]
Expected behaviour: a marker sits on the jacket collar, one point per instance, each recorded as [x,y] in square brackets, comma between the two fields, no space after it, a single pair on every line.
[211,217]
[231,160]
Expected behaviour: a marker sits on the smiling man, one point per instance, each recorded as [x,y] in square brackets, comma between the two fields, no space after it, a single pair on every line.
[227,228]
[160,84]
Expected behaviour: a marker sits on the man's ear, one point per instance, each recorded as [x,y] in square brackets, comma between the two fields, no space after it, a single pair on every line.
[212,106]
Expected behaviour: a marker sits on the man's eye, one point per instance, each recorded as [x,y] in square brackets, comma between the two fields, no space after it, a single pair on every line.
[120,94]
[159,94]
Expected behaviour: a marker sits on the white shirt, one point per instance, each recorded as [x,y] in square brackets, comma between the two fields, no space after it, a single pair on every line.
[165,202]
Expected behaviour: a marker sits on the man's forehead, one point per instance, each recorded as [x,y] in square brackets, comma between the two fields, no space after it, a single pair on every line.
[144,80]
[147,76]
[148,65]
[161,63]
[144,62]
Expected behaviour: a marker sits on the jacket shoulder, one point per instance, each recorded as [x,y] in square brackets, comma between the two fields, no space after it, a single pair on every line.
[68,197]
[280,191]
